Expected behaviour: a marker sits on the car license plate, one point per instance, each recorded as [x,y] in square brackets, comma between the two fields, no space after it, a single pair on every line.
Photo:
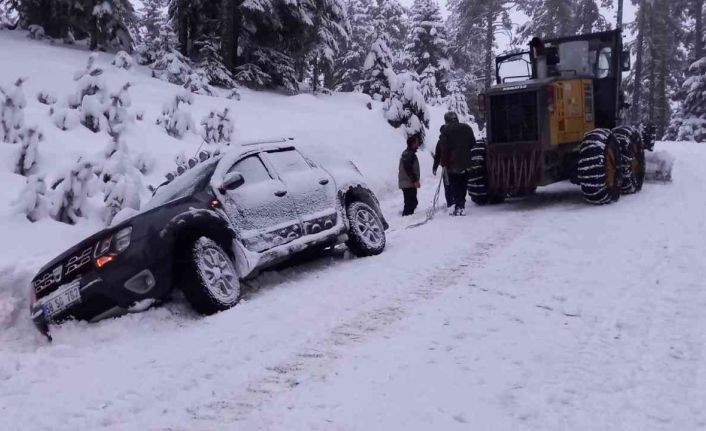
[63,298]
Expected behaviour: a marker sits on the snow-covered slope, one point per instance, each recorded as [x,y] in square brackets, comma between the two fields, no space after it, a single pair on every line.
[329,128]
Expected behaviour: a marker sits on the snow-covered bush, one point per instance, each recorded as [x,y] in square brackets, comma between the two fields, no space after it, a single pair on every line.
[121,184]
[175,120]
[115,145]
[116,111]
[65,119]
[29,150]
[33,201]
[46,97]
[71,192]
[217,127]
[252,76]
[197,82]
[144,162]
[35,31]
[92,113]
[123,60]
[171,67]
[89,82]
[406,106]
[12,104]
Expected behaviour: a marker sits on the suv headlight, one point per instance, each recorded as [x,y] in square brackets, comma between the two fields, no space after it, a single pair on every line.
[108,248]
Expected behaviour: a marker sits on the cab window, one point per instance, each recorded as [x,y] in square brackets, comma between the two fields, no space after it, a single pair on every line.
[603,64]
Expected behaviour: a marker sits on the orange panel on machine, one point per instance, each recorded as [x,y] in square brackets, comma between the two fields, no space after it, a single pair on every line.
[571,115]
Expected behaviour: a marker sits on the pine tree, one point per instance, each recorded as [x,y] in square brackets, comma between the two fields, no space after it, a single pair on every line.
[378,74]
[330,30]
[473,28]
[407,107]
[588,17]
[348,66]
[689,123]
[457,102]
[175,120]
[548,18]
[217,127]
[427,46]
[429,87]
[212,64]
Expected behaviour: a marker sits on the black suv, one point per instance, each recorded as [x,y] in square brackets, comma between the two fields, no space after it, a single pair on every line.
[209,226]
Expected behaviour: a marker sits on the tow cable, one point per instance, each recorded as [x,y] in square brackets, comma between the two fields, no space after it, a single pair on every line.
[431,211]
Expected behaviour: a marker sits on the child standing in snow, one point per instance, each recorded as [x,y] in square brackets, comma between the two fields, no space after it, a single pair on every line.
[408,176]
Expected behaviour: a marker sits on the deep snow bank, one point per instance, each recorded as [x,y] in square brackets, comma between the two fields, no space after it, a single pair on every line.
[328,127]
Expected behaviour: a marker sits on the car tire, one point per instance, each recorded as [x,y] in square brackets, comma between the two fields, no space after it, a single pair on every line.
[366,234]
[207,277]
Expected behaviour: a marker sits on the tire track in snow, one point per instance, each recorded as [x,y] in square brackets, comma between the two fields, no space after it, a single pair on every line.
[312,363]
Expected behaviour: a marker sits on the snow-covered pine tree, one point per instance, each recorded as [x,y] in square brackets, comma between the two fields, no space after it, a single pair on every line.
[406,106]
[29,150]
[197,82]
[71,192]
[46,97]
[121,182]
[547,18]
[428,46]
[212,64]
[588,17]
[152,21]
[457,102]
[12,104]
[390,18]
[176,121]
[348,65]
[279,67]
[33,201]
[110,24]
[329,32]
[473,26]
[217,127]
[689,122]
[169,64]
[378,75]
[429,87]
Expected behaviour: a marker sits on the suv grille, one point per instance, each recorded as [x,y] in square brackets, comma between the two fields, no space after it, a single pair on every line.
[63,272]
[513,117]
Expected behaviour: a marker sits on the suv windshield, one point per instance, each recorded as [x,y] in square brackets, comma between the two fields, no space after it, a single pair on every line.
[186,184]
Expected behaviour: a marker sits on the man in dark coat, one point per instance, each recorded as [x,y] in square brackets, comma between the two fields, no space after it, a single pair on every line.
[453,152]
[409,174]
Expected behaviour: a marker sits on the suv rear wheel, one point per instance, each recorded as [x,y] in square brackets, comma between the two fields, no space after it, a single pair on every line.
[208,277]
[366,234]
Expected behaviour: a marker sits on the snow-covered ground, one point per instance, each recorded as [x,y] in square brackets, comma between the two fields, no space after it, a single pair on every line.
[540,314]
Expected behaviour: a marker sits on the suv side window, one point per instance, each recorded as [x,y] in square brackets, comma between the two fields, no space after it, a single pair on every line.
[252,170]
[288,161]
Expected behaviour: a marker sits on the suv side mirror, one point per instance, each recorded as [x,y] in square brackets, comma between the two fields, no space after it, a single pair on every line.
[232,181]
[625,58]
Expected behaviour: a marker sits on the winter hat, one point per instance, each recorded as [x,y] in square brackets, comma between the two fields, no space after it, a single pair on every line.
[450,117]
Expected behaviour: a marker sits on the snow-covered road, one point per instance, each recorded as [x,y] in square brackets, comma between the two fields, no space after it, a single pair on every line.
[540,314]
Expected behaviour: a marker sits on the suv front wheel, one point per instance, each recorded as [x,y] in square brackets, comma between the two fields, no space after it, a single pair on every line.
[208,277]
[366,234]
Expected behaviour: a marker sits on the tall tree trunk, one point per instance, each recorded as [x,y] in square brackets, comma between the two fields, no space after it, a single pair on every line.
[698,29]
[639,48]
[489,39]
[183,28]
[229,33]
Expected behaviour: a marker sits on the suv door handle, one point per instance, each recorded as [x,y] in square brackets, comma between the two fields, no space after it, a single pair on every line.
[323,181]
[280,193]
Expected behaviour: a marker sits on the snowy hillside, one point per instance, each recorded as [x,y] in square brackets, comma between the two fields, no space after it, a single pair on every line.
[329,128]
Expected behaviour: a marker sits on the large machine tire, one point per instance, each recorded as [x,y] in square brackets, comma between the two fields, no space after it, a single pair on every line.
[632,158]
[599,167]
[478,177]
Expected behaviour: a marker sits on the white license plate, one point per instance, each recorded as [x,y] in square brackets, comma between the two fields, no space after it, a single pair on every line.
[63,298]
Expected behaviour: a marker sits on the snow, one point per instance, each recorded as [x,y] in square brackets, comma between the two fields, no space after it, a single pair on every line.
[542,313]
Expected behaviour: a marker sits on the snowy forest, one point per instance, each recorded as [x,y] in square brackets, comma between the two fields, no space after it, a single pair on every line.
[405,57]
